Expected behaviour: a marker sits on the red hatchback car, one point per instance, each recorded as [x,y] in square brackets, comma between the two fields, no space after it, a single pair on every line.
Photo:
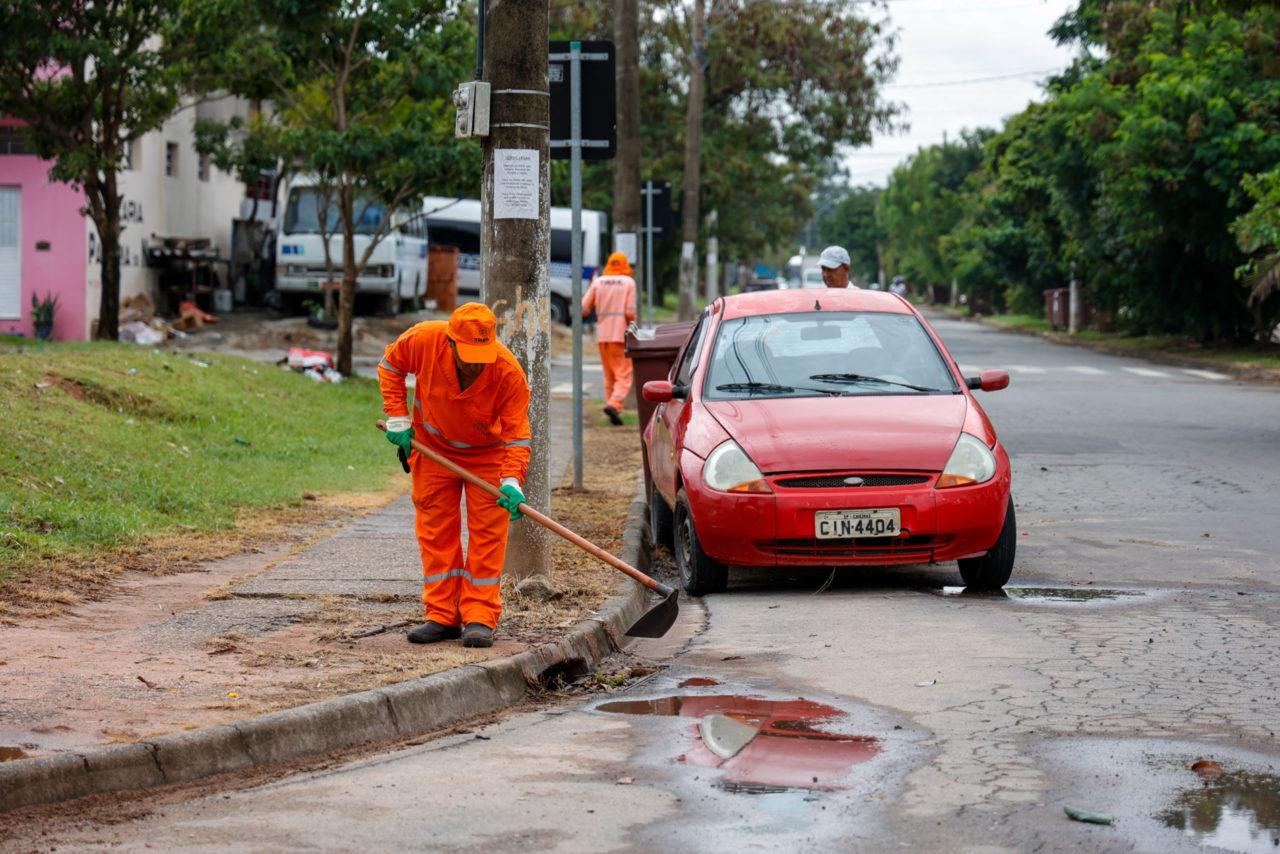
[825,428]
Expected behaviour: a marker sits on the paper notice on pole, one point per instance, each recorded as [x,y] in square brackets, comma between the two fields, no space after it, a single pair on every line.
[625,242]
[516,177]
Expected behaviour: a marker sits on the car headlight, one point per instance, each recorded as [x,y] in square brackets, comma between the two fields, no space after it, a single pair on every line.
[729,469]
[971,462]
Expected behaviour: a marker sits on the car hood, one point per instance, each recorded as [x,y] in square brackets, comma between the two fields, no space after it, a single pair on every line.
[845,433]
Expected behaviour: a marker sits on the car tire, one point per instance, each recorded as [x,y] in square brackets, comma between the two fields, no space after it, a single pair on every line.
[661,519]
[699,573]
[560,310]
[992,570]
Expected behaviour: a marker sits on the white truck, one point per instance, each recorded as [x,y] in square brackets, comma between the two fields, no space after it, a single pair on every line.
[396,271]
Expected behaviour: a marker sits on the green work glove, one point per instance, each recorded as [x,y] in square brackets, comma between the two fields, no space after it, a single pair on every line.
[511,498]
[400,432]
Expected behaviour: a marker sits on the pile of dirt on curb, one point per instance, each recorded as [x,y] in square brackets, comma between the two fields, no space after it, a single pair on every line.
[257,332]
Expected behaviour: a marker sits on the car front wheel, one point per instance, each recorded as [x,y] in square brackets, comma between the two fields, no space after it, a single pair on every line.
[992,570]
[699,573]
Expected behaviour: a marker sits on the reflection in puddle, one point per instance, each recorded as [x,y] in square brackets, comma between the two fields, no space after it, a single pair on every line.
[698,682]
[1238,811]
[1043,594]
[8,752]
[788,751]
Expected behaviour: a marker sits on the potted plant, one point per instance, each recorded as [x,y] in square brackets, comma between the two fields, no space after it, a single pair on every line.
[42,311]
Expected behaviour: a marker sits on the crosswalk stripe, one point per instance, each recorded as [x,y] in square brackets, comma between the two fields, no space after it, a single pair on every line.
[1025,369]
[1205,375]
[1086,370]
[562,388]
[1146,372]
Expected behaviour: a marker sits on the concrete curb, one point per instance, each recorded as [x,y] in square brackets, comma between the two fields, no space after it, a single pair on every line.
[1159,357]
[384,714]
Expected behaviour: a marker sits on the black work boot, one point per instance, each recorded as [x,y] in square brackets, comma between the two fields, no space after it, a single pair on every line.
[477,634]
[433,632]
[614,416]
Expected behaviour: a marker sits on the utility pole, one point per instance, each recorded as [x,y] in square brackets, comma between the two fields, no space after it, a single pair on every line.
[626,167]
[515,236]
[692,168]
[713,259]
[1073,304]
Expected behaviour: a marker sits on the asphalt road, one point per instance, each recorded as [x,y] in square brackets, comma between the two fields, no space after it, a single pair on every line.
[894,713]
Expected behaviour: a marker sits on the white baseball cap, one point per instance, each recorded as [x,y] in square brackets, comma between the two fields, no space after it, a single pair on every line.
[834,256]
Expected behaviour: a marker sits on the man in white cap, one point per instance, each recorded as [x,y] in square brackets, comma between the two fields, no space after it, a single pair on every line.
[834,262]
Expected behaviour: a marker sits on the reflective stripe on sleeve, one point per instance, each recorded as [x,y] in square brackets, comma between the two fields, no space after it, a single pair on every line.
[385,364]
[519,443]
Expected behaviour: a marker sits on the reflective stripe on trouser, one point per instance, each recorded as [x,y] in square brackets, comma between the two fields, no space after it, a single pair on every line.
[617,372]
[458,590]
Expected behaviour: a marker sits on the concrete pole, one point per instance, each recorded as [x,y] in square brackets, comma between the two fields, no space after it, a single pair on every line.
[692,169]
[626,165]
[713,260]
[1073,305]
[575,251]
[514,253]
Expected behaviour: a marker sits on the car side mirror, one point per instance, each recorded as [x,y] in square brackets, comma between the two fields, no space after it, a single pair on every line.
[658,391]
[988,381]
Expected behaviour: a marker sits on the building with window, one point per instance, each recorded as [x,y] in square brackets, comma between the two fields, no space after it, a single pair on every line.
[47,246]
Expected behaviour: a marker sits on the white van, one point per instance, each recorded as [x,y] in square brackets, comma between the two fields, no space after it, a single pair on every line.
[396,271]
[456,222]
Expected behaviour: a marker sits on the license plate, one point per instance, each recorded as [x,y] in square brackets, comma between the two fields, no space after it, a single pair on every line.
[846,524]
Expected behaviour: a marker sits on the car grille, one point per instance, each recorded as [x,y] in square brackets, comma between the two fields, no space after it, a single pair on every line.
[865,547]
[837,481]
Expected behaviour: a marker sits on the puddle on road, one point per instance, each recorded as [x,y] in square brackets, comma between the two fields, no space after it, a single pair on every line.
[1045,594]
[9,752]
[699,682]
[789,752]
[1238,811]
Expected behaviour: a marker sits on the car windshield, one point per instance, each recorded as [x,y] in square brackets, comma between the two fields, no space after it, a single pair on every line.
[302,213]
[825,353]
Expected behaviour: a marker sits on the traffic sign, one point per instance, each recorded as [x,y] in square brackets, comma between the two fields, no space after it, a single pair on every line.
[599,114]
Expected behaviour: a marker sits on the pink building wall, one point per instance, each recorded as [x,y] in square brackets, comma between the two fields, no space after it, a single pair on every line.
[50,214]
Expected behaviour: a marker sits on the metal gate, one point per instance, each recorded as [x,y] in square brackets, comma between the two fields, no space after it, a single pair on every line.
[10,253]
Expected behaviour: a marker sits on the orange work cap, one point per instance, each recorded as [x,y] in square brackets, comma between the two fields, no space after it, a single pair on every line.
[473,328]
[617,265]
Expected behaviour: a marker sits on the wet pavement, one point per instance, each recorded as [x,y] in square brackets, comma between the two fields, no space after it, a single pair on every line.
[1128,648]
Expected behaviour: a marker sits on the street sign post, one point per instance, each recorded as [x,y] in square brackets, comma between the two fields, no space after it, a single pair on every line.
[595,132]
[657,220]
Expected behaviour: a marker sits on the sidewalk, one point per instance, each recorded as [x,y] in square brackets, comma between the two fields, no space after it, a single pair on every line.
[239,637]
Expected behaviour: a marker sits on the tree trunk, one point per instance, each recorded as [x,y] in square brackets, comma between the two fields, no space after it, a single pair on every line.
[347,298]
[627,216]
[108,225]
[515,253]
[692,171]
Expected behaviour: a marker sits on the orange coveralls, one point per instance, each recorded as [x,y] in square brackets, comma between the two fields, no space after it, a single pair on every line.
[613,296]
[484,429]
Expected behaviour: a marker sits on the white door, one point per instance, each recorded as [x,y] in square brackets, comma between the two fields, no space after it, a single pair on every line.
[10,254]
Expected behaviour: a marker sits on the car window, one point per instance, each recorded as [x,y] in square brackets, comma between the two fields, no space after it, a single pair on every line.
[821,352]
[690,361]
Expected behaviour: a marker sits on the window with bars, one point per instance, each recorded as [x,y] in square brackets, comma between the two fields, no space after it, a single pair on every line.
[13,141]
[171,159]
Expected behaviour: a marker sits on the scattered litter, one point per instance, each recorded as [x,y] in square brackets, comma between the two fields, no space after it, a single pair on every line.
[233,694]
[147,682]
[377,630]
[1088,817]
[43,385]
[1207,769]
[483,737]
[732,658]
[143,333]
[200,364]
[244,442]
[926,684]
[316,364]
[625,781]
[771,607]
[133,372]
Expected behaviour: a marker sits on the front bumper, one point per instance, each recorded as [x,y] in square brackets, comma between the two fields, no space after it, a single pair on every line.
[778,529]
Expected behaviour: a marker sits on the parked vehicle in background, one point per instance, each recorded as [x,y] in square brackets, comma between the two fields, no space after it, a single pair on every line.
[835,432]
[798,272]
[456,222]
[397,268]
[813,278]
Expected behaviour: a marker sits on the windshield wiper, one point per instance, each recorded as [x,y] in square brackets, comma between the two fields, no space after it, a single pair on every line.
[754,386]
[864,378]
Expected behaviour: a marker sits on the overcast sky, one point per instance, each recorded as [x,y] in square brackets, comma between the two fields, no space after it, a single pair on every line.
[942,44]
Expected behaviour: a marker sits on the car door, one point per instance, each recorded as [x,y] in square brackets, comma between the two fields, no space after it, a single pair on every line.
[671,417]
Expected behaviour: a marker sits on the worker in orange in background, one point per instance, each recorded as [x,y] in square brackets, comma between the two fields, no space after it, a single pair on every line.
[613,296]
[471,404]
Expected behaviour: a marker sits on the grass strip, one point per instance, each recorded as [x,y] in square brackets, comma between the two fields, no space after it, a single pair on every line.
[103,446]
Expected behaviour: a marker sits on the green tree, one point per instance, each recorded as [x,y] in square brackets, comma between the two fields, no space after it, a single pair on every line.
[88,79]
[1258,232]
[362,99]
